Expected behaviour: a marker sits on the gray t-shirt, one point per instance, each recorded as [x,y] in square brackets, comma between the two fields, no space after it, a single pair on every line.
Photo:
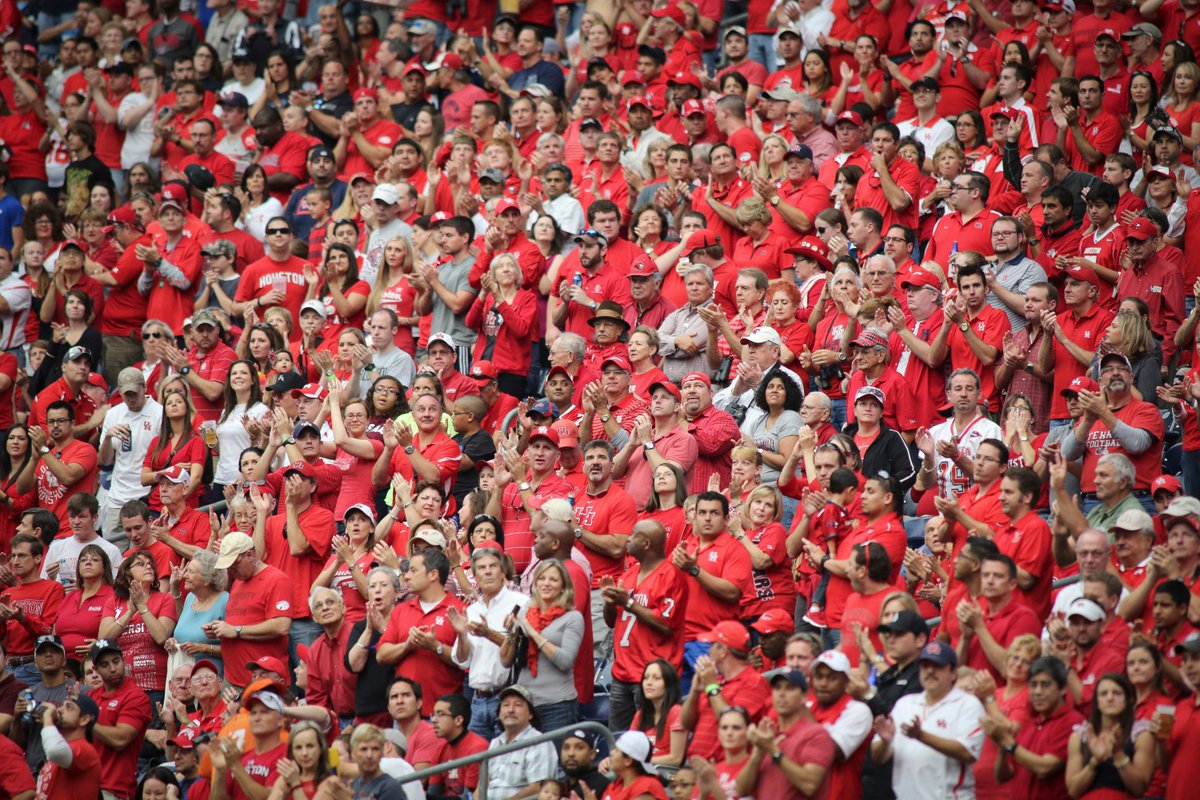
[787,424]
[454,277]
[381,787]
[1016,276]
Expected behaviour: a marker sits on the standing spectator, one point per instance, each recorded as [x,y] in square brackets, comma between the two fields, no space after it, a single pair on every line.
[258,613]
[121,725]
[371,688]
[715,431]
[989,630]
[846,720]
[140,620]
[451,717]
[128,430]
[68,731]
[977,338]
[933,736]
[330,685]
[63,554]
[28,609]
[725,678]
[904,636]
[276,279]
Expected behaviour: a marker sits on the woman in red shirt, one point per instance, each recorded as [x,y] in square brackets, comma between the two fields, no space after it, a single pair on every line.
[649,225]
[356,454]
[733,726]
[306,765]
[344,295]
[863,82]
[12,503]
[1143,668]
[783,303]
[178,443]
[828,326]
[759,531]
[82,609]
[395,289]
[141,619]
[259,342]
[665,505]
[658,716]
[505,314]
[1182,106]
[349,552]
[1010,702]
[818,76]
[643,357]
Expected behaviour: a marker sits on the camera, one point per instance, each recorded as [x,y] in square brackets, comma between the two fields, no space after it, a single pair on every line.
[828,374]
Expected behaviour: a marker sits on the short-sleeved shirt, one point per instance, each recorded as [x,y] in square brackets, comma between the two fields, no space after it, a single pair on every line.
[145,659]
[53,493]
[437,676]
[453,275]
[748,689]
[288,155]
[70,783]
[610,512]
[1005,625]
[212,366]
[900,408]
[1027,542]
[805,742]
[316,522]
[726,558]
[990,325]
[261,277]
[1046,736]
[127,704]
[1086,331]
[920,771]
[262,767]
[266,595]
[442,451]
[664,592]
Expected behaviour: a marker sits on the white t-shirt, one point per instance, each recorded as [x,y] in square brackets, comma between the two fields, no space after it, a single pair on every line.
[232,439]
[851,728]
[139,138]
[921,773]
[256,219]
[251,92]
[65,553]
[127,462]
[950,479]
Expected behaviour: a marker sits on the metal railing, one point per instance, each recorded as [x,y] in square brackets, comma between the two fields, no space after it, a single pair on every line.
[482,758]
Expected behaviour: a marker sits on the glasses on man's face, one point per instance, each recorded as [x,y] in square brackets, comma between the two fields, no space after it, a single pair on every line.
[202,679]
[955,187]
[996,233]
[278,231]
[982,457]
[895,240]
[148,336]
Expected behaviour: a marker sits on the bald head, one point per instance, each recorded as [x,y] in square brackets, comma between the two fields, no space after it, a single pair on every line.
[1091,550]
[648,541]
[554,540]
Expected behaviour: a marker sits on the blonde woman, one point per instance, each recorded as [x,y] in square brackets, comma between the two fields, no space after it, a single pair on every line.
[772,163]
[505,314]
[396,288]
[757,528]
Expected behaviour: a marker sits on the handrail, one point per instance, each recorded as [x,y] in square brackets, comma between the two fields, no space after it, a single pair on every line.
[483,757]
[1061,583]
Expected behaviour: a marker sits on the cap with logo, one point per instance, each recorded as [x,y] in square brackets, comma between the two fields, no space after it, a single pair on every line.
[905,622]
[362,508]
[1079,384]
[1087,608]
[871,393]
[940,653]
[774,620]
[1166,483]
[177,475]
[620,362]
[102,646]
[729,633]
[835,660]
[919,278]
[386,193]
[762,335]
[813,248]
[568,433]
[50,640]
[692,108]
[484,372]
[871,339]
[852,117]
[667,387]
[546,432]
[286,382]
[1141,229]
[315,306]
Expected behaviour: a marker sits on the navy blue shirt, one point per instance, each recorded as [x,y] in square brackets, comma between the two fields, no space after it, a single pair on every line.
[543,72]
[297,207]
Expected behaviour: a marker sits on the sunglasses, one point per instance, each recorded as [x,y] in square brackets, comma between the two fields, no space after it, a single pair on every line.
[147,336]
[278,231]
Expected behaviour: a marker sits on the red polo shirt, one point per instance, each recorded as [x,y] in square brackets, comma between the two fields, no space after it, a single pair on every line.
[748,689]
[900,405]
[442,451]
[726,558]
[974,234]
[1027,542]
[990,325]
[731,194]
[1087,331]
[1046,736]
[437,676]
[316,523]
[610,512]
[266,595]
[869,193]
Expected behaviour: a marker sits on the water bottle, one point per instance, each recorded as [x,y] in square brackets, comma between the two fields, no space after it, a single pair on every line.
[578,279]
[30,704]
[64,577]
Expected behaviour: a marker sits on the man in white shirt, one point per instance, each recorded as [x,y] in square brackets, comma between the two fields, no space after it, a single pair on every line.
[83,511]
[566,210]
[927,127]
[125,439]
[933,737]
[849,724]
[953,443]
[386,224]
[480,633]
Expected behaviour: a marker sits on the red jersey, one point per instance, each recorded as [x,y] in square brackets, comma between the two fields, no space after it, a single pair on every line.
[774,587]
[436,675]
[611,512]
[921,379]
[266,274]
[869,193]
[266,595]
[39,599]
[70,783]
[382,133]
[1046,736]
[288,155]
[302,570]
[53,493]
[665,592]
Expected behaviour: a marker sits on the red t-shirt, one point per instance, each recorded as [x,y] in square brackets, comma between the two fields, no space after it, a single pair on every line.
[61,390]
[1047,736]
[518,533]
[383,133]
[990,325]
[212,366]
[78,780]
[862,609]
[125,308]
[869,193]
[1087,332]
[1007,624]
[1027,542]
[265,274]
[664,592]
[975,234]
[52,493]
[40,599]
[288,155]
[887,531]
[1139,415]
[266,595]
[316,522]
[436,676]
[900,410]
[259,766]
[170,303]
[610,512]
[145,659]
[773,587]
[130,705]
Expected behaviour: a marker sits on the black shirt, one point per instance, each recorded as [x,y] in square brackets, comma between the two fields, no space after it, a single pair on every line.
[478,447]
[890,686]
[336,107]
[405,114]
[370,694]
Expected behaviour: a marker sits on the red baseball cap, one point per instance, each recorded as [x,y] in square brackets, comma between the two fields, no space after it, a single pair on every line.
[172,195]
[691,107]
[729,633]
[505,204]
[313,391]
[568,433]
[775,620]
[1109,32]
[546,432]
[186,738]
[619,361]
[920,277]
[812,248]
[302,467]
[176,474]
[1080,384]
[686,78]
[642,267]
[270,664]
[702,238]
[1141,229]
[366,91]
[123,216]
[1008,112]
[631,76]
[362,176]
[97,379]
[697,376]
[560,371]
[849,116]
[1165,483]
[1081,273]
[639,100]
[484,372]
[671,389]
[672,12]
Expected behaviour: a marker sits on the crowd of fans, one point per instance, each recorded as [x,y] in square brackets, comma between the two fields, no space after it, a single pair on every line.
[812,399]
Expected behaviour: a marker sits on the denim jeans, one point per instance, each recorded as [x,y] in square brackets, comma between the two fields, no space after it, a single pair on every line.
[691,651]
[485,717]
[762,49]
[831,638]
[553,716]
[837,413]
[624,698]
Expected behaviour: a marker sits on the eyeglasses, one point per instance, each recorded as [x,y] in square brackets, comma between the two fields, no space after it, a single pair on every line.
[204,679]
[981,457]
[895,239]
[996,233]
[954,187]
[278,231]
[146,336]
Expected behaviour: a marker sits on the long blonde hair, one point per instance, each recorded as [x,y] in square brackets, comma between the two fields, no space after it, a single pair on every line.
[385,279]
[566,598]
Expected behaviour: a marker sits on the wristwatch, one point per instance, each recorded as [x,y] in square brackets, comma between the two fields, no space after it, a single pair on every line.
[184,370]
[1011,747]
[605,418]
[841,358]
[777,756]
[44,449]
[410,449]
[648,446]
[441,648]
[693,570]
[964,326]
[237,632]
[775,200]
[289,440]
[579,533]
[524,486]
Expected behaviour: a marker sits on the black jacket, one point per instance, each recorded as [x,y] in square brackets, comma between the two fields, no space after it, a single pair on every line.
[891,454]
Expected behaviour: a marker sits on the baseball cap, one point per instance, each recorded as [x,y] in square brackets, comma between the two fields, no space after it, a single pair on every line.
[939,653]
[762,335]
[205,663]
[1108,33]
[546,432]
[234,100]
[172,195]
[431,535]
[1133,519]
[670,388]
[591,122]
[444,338]
[739,30]
[1081,273]
[387,193]
[302,468]
[702,377]
[49,640]
[631,76]
[1079,384]
[421,27]
[918,278]
[78,245]
[363,509]
[1165,483]
[691,107]
[186,738]
[1141,229]
[313,391]
[1186,506]
[591,739]
[200,177]
[702,238]
[618,361]
[305,426]
[801,151]
[686,79]
[560,371]
[520,691]
[781,94]
[268,663]
[729,633]
[130,379]
[1159,172]
[835,660]
[103,646]
[1004,111]
[97,379]
[636,745]
[568,433]
[268,699]
[671,12]
[930,84]
[853,117]
[1118,357]
[544,408]
[774,620]
[176,475]
[792,676]
[316,306]
[505,204]
[639,100]
[484,372]
[958,16]
[124,215]
[492,176]
[873,392]
[1143,29]
[1059,5]
[362,176]
[286,382]
[233,545]
[642,267]
[592,234]
[1191,643]
[205,317]
[77,352]
[1169,132]
[1087,608]
[905,622]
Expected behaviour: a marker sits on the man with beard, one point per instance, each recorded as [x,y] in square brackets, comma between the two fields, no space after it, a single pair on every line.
[1115,422]
[1081,645]
[581,290]
[578,761]
[68,728]
[221,211]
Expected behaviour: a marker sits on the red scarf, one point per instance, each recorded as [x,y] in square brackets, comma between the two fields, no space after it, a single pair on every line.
[538,620]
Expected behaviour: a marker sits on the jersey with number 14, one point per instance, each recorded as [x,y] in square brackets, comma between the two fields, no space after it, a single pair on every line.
[665,592]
